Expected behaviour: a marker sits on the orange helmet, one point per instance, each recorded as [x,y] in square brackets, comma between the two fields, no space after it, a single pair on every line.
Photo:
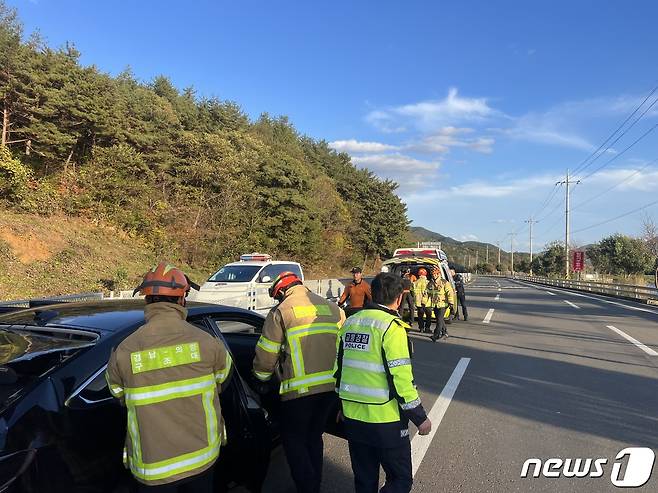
[282,282]
[165,280]
[422,271]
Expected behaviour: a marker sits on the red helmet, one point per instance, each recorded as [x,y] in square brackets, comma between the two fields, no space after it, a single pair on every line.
[282,282]
[422,271]
[165,280]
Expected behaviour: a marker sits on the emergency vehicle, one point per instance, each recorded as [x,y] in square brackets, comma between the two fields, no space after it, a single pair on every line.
[245,284]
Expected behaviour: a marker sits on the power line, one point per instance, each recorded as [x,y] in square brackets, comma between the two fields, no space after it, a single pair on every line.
[579,169]
[578,206]
[617,217]
[651,129]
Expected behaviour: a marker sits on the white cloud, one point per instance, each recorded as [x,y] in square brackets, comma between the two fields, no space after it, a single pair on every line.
[442,140]
[353,145]
[430,114]
[638,179]
[468,237]
[410,173]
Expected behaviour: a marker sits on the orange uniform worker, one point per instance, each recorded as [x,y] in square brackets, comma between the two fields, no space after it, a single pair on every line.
[358,293]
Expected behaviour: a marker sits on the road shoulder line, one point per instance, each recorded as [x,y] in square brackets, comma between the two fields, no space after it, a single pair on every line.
[644,348]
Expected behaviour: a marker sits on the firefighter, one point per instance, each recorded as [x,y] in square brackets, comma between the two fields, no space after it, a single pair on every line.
[299,342]
[443,298]
[168,373]
[408,305]
[374,380]
[358,292]
[423,309]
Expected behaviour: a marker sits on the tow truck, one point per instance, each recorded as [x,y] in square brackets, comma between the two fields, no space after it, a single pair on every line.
[245,284]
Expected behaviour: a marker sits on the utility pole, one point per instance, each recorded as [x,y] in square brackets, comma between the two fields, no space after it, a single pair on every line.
[498,243]
[487,259]
[464,260]
[477,260]
[567,229]
[531,222]
[512,235]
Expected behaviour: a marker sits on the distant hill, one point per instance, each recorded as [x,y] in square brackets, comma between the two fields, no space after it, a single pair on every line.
[459,251]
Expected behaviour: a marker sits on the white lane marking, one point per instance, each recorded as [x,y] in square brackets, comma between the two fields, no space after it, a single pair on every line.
[598,298]
[644,348]
[551,293]
[420,444]
[497,297]
[571,304]
[487,317]
[500,289]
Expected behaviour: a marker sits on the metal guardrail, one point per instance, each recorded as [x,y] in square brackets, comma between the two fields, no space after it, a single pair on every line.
[643,294]
[33,303]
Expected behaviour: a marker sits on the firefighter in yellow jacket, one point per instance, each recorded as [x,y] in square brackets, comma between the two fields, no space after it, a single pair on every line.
[442,299]
[299,343]
[375,383]
[169,373]
[424,311]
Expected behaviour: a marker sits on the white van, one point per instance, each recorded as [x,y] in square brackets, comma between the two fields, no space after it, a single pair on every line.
[245,284]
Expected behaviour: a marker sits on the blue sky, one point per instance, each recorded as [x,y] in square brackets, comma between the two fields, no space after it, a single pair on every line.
[476,108]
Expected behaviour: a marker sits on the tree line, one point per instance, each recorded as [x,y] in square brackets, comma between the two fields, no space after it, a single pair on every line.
[193,175]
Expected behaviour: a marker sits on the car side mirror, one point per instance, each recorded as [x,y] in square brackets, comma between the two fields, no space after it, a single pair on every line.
[266,279]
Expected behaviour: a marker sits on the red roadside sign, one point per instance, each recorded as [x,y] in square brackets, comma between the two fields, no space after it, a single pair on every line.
[578,261]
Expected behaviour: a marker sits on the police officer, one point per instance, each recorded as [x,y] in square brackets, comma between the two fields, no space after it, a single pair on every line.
[168,373]
[299,341]
[424,311]
[461,296]
[374,380]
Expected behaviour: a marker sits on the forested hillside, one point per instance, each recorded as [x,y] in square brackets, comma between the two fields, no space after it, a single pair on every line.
[193,177]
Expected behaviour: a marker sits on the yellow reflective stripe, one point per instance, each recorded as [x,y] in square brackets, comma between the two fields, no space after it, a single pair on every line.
[211,416]
[221,376]
[115,390]
[177,465]
[173,390]
[297,358]
[267,345]
[263,375]
[363,365]
[314,328]
[310,380]
[311,311]
[164,357]
[134,436]
[365,391]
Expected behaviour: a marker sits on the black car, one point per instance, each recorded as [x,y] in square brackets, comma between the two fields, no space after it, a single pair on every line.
[61,430]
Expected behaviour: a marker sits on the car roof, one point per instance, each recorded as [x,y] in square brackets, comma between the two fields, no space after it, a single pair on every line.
[103,316]
[262,264]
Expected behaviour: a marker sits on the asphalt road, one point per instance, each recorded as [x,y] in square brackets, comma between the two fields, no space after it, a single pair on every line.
[545,377]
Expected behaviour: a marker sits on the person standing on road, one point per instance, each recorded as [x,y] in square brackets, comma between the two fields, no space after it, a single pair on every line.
[461,297]
[408,305]
[358,293]
[423,309]
[169,373]
[299,342]
[375,383]
[443,297]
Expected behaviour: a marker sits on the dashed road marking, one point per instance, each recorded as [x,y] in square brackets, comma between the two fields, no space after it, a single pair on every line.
[487,317]
[644,348]
[571,304]
[421,444]
[551,293]
[497,297]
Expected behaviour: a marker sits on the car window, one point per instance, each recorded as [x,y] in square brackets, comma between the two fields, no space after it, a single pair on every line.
[235,273]
[274,270]
[227,326]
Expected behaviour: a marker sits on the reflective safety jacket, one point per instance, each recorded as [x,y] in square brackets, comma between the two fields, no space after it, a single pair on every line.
[168,374]
[299,342]
[441,294]
[374,377]
[420,291]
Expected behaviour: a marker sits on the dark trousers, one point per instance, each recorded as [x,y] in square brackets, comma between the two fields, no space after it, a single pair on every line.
[303,421]
[396,463]
[407,304]
[461,300]
[424,318]
[440,329]
[201,483]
